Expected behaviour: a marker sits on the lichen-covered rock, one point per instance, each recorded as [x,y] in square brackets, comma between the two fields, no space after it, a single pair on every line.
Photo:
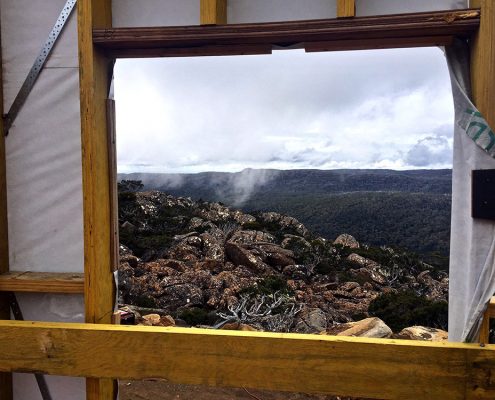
[423,333]
[250,237]
[362,261]
[368,275]
[212,247]
[311,321]
[237,326]
[240,256]
[285,222]
[369,327]
[347,241]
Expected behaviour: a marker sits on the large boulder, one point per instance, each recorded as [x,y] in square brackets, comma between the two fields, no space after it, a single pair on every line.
[311,321]
[369,327]
[212,248]
[240,256]
[250,237]
[238,326]
[347,240]
[423,333]
[362,262]
[368,275]
[277,256]
[285,223]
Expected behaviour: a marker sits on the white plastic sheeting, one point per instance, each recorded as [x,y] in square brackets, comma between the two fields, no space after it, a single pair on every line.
[132,13]
[242,11]
[44,175]
[472,254]
[383,7]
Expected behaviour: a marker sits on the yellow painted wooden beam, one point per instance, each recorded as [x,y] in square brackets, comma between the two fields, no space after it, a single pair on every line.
[346,8]
[95,75]
[485,325]
[41,282]
[360,367]
[483,61]
[213,12]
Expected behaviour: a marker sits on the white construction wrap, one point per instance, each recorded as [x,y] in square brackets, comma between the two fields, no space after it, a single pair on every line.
[132,13]
[472,249]
[44,174]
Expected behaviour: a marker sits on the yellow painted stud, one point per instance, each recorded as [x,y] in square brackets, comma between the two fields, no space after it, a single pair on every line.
[95,74]
[346,8]
[213,12]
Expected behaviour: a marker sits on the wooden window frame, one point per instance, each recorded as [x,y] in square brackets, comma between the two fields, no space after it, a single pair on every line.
[361,367]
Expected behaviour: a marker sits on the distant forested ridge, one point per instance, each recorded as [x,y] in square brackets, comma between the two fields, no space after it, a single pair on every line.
[408,209]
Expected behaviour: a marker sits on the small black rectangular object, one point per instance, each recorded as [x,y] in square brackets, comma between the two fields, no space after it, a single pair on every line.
[483,194]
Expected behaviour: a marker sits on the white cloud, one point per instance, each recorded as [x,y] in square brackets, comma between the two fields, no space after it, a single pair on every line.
[366,109]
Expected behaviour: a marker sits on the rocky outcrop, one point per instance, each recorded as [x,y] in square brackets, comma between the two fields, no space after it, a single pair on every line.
[205,259]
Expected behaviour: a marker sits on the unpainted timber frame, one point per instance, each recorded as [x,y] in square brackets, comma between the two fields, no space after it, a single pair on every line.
[391,369]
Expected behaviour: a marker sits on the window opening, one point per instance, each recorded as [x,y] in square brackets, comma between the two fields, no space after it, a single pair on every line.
[290,192]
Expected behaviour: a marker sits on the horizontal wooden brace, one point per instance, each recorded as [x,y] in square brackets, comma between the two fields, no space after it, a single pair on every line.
[122,42]
[41,282]
[376,368]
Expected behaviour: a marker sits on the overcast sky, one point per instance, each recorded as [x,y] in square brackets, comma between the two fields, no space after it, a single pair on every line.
[363,109]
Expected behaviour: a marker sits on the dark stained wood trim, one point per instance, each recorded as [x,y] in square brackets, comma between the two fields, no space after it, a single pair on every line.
[386,43]
[191,40]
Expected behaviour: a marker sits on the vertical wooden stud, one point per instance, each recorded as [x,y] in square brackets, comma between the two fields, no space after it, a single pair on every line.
[483,61]
[213,12]
[95,77]
[5,378]
[346,8]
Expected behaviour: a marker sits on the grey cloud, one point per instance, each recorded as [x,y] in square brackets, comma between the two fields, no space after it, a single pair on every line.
[430,151]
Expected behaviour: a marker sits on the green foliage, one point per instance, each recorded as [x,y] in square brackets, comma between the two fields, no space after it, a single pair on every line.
[125,197]
[145,301]
[130,186]
[197,316]
[267,286]
[141,243]
[404,309]
[419,222]
[255,226]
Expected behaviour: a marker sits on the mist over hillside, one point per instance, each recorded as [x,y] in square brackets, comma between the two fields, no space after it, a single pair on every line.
[409,209]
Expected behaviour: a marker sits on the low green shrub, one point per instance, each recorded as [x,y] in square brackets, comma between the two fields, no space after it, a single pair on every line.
[403,309]
[197,316]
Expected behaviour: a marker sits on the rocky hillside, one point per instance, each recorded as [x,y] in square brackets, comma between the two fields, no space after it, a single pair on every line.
[203,263]
[359,202]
